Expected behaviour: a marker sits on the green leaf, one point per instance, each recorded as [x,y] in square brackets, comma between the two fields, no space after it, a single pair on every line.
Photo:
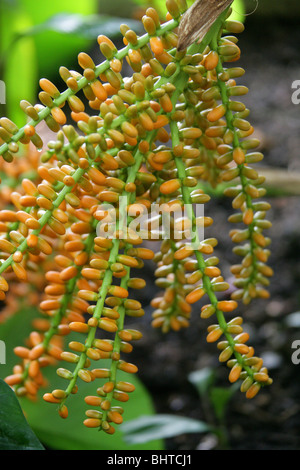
[53,48]
[87,27]
[20,76]
[148,428]
[18,62]
[202,379]
[220,397]
[70,434]
[124,9]
[15,433]
[159,5]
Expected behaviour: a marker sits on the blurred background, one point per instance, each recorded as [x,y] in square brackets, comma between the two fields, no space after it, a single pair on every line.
[184,393]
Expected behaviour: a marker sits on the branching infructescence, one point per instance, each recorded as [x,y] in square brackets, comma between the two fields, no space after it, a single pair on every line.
[152,139]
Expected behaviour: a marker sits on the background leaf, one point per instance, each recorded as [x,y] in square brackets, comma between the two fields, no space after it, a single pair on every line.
[148,428]
[70,434]
[55,48]
[219,397]
[18,64]
[238,8]
[15,433]
[87,27]
[202,379]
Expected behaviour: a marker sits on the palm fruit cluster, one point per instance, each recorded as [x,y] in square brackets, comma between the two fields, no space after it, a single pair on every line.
[149,138]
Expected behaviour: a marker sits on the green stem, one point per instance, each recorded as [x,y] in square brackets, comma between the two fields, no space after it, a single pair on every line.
[236,143]
[79,173]
[107,281]
[45,218]
[196,242]
[56,319]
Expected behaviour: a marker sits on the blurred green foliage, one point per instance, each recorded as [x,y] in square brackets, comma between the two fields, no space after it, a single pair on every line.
[24,59]
[160,5]
[129,8]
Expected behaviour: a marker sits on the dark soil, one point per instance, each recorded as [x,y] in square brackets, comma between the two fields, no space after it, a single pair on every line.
[271,57]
